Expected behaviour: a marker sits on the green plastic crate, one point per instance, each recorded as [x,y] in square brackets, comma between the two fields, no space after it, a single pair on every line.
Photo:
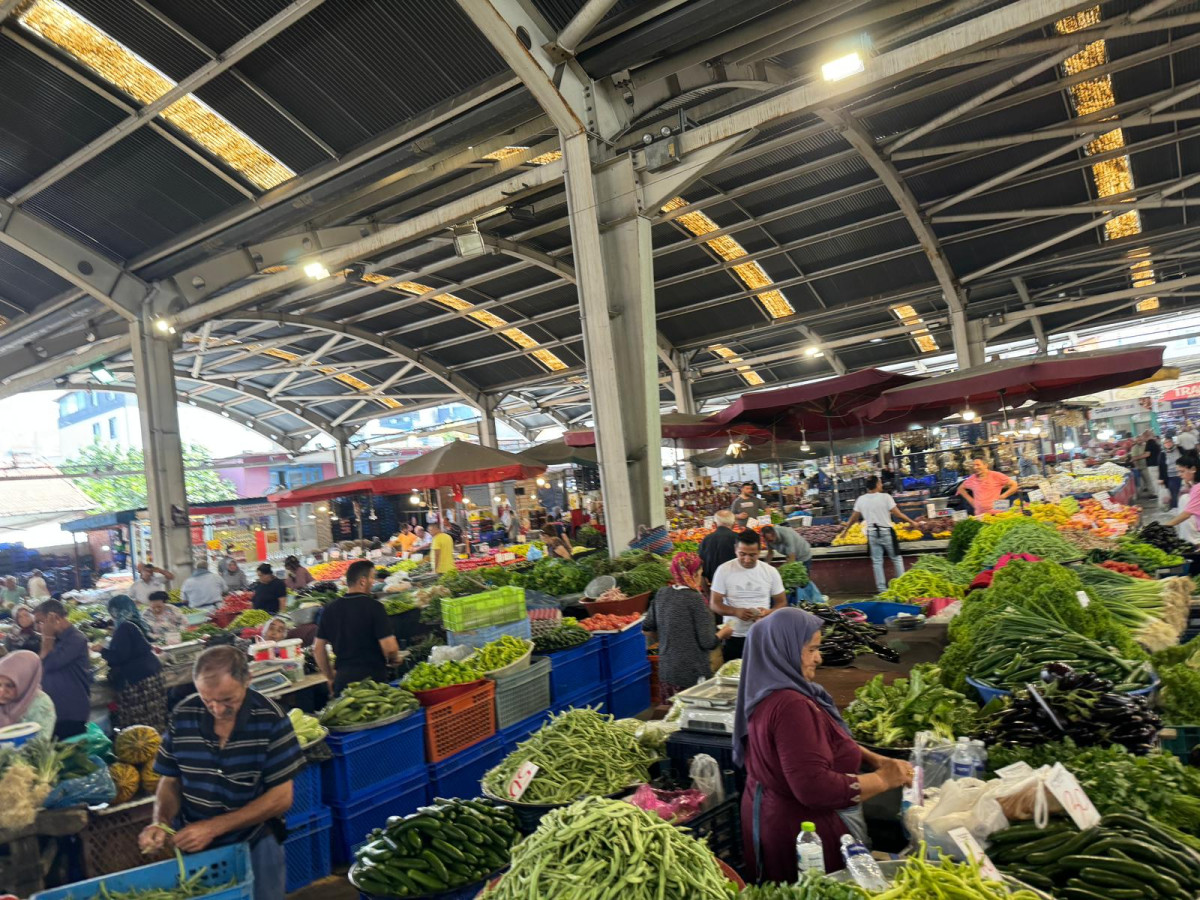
[498,607]
[1179,740]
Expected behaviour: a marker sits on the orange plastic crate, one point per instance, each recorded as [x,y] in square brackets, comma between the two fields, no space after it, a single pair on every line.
[459,723]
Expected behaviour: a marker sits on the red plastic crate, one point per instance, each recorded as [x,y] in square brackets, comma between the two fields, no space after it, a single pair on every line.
[459,723]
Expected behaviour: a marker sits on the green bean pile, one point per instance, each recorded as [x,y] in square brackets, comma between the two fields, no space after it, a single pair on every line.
[186,889]
[610,848]
[578,753]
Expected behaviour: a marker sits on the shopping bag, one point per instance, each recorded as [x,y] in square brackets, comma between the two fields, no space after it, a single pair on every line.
[963,803]
[89,790]
[95,741]
[655,540]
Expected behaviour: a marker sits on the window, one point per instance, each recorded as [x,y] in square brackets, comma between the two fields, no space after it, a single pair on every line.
[96,431]
[112,428]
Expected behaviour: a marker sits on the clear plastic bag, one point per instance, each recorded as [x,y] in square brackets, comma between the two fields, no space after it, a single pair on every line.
[705,773]
[932,754]
[443,654]
[673,806]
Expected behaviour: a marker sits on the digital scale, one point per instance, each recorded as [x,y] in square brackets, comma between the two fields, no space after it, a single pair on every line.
[709,706]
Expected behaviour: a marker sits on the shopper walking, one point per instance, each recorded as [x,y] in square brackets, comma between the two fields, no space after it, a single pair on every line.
[1186,439]
[745,590]
[686,632]
[202,589]
[746,505]
[296,576]
[21,696]
[876,509]
[36,585]
[984,487]
[718,547]
[151,579]
[802,765]
[226,766]
[133,669]
[1139,455]
[163,623]
[269,591]
[66,669]
[1168,471]
[358,629]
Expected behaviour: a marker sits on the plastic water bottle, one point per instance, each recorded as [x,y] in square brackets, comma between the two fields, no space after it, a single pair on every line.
[862,866]
[980,753]
[810,853]
[962,760]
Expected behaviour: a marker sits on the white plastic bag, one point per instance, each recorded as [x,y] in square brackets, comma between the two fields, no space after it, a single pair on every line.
[965,803]
[443,654]
[706,778]
[1023,796]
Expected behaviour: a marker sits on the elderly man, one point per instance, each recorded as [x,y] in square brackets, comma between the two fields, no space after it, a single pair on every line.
[234,577]
[202,589]
[226,766]
[152,580]
[718,547]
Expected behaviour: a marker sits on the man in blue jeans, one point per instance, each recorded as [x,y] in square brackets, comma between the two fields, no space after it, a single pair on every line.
[226,766]
[875,510]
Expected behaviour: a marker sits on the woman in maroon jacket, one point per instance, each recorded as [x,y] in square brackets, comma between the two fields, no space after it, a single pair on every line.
[801,763]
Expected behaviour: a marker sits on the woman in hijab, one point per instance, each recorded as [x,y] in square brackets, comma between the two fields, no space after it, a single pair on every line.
[276,629]
[133,669]
[21,696]
[801,763]
[23,636]
[686,631]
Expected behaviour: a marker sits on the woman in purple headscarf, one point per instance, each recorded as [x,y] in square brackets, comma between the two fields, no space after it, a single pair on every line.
[801,763]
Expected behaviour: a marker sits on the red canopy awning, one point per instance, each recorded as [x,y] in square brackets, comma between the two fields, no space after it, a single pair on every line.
[689,432]
[456,463]
[817,411]
[1009,383]
[323,490]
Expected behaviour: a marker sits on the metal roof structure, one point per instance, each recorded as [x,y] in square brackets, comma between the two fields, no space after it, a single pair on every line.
[209,152]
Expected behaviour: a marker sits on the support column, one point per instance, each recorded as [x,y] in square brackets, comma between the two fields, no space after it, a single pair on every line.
[616,293]
[968,337]
[685,402]
[487,424]
[343,458]
[166,493]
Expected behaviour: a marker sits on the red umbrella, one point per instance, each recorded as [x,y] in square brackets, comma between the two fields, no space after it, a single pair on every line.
[824,409]
[459,462]
[687,431]
[1009,383]
[323,490]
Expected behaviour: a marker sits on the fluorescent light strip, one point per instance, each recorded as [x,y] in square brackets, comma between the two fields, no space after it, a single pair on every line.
[111,60]
[751,377]
[925,341]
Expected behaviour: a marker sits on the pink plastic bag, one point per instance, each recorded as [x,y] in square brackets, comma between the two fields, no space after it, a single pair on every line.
[670,805]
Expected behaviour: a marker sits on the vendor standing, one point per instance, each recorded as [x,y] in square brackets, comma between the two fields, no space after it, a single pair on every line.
[133,669]
[269,591]
[151,579]
[746,505]
[985,486]
[66,668]
[780,540]
[226,766]
[744,591]
[202,589]
[163,624]
[875,510]
[719,546]
[37,586]
[359,630]
[802,765]
[441,550]
[297,576]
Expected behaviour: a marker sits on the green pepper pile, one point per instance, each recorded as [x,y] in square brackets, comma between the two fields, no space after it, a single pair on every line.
[498,653]
[250,618]
[428,677]
[447,845]
[363,702]
[308,728]
[397,604]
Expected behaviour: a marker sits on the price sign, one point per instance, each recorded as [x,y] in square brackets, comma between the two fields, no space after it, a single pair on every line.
[958,515]
[1100,496]
[376,554]
[520,781]
[805,521]
[1083,598]
[1074,800]
[1109,505]
[1001,505]
[930,510]
[710,522]
[971,850]
[1049,492]
[1036,497]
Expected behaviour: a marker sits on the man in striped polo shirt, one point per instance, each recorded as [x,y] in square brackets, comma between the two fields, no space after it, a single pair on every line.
[226,767]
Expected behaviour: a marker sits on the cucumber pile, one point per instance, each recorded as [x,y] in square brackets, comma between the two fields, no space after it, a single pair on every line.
[447,845]
[1123,858]
[569,633]
[363,702]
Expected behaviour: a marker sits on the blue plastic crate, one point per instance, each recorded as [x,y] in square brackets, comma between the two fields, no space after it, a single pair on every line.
[595,696]
[362,760]
[306,852]
[624,652]
[877,611]
[576,669]
[306,790]
[458,775]
[353,821]
[630,695]
[221,866]
[480,636]
[514,734]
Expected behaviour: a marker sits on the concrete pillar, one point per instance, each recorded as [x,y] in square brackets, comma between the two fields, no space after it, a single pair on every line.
[343,458]
[616,295]
[171,540]
[487,424]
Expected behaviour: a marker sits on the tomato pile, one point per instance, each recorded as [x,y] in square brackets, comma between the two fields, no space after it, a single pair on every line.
[1130,569]
[608,622]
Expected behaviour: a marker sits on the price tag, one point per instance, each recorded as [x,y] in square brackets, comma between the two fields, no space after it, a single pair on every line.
[1001,505]
[971,850]
[1083,598]
[1019,769]
[805,521]
[1109,505]
[1100,496]
[376,554]
[1074,800]
[958,515]
[520,781]
[710,522]
[1049,492]
[930,510]
[1036,497]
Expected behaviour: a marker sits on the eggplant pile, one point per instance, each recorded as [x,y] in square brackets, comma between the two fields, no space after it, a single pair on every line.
[844,639]
[1081,706]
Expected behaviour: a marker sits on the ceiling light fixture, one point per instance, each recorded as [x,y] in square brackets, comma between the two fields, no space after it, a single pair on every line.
[804,448]
[843,67]
[316,270]
[162,325]
[468,241]
[102,374]
[968,415]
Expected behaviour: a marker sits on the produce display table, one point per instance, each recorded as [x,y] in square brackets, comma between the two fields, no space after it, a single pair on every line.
[24,861]
[847,570]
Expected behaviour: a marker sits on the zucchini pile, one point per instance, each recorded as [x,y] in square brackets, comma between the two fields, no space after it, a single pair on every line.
[1123,858]
[363,702]
[447,845]
[563,636]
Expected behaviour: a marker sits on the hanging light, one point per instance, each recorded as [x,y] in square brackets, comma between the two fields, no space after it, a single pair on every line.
[735,449]
[968,415]
[414,499]
[498,499]
[541,482]
[804,448]
[372,516]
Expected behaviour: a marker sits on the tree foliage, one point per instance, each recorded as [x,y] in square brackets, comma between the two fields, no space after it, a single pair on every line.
[111,493]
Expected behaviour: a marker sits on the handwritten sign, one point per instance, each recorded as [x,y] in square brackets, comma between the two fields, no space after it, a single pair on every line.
[971,850]
[1083,598]
[805,521]
[1109,505]
[1049,492]
[1074,799]
[958,515]
[1100,496]
[520,781]
[1001,505]
[1036,497]
[930,510]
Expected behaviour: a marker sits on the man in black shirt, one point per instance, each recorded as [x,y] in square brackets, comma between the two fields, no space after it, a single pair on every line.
[720,546]
[269,591]
[360,632]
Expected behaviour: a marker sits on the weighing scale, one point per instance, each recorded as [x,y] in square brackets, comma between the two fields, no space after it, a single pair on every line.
[271,681]
[709,706]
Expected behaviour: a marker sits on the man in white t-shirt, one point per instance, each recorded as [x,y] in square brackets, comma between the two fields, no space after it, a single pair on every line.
[875,510]
[743,591]
[151,579]
[1186,439]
